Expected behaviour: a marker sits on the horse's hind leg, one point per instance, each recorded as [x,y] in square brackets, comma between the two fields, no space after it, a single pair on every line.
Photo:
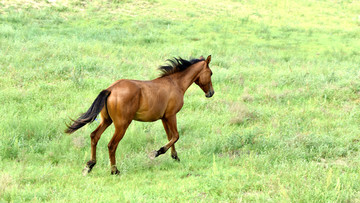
[95,136]
[120,130]
[169,136]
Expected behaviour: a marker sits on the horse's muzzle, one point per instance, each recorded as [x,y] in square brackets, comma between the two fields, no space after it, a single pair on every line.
[210,93]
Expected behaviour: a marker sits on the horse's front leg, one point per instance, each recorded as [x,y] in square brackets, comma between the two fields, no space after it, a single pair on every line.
[169,136]
[173,135]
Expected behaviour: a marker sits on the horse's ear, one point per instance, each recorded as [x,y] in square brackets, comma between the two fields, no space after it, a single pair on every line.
[208,59]
[202,58]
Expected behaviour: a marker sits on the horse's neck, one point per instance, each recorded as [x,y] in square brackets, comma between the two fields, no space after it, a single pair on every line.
[187,77]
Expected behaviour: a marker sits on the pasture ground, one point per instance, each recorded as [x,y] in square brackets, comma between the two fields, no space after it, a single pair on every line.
[283,124]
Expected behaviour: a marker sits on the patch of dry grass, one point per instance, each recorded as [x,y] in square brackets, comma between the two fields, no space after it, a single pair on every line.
[241,113]
[79,142]
[6,182]
[246,97]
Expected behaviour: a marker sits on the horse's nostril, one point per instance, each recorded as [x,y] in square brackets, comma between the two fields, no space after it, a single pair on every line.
[210,94]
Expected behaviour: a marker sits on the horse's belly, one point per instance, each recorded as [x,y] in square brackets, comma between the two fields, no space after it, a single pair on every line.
[149,115]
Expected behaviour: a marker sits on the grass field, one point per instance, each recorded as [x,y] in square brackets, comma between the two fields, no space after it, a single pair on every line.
[283,125]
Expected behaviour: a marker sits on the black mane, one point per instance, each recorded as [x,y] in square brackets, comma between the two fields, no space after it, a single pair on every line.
[177,65]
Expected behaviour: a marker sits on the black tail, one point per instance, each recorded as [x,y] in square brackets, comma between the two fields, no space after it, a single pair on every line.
[91,114]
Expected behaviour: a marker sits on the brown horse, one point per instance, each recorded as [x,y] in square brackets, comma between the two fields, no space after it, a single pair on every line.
[127,100]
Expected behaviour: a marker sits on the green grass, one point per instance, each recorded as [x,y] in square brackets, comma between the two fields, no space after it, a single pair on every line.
[282,126]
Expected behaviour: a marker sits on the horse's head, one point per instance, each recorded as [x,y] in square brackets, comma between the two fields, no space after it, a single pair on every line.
[203,79]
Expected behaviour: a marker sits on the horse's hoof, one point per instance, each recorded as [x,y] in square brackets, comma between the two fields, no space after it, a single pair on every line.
[153,154]
[116,172]
[88,167]
[86,170]
[175,157]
